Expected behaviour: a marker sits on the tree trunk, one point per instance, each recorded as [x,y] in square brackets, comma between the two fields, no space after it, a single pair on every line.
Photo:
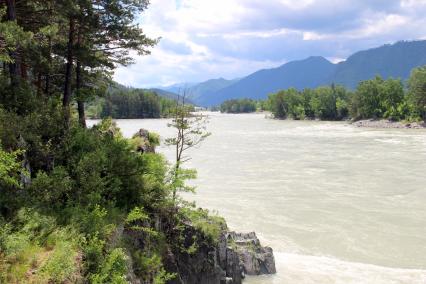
[68,73]
[14,67]
[38,83]
[80,102]
[47,84]
[49,66]
[24,71]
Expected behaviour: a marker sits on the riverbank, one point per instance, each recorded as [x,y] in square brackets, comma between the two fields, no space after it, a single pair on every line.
[384,123]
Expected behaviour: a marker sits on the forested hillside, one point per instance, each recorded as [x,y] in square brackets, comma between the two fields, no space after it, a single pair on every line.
[389,61]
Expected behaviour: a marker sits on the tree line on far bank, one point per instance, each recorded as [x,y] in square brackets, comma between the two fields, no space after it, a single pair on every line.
[131,104]
[239,106]
[372,99]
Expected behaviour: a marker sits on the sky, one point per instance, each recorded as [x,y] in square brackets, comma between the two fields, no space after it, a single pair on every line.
[206,39]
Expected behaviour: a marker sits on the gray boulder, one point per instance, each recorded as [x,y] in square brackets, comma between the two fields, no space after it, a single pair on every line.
[255,259]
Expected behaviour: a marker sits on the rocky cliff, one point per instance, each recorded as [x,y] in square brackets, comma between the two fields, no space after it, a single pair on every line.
[233,256]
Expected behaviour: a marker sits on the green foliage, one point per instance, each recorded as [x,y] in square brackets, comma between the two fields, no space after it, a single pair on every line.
[12,34]
[52,189]
[137,214]
[10,168]
[35,224]
[178,178]
[366,101]
[96,179]
[62,263]
[70,196]
[417,91]
[138,220]
[238,106]
[135,103]
[35,242]
[15,245]
[92,220]
[154,139]
[146,264]
[376,99]
[93,249]
[279,104]
[324,103]
[210,225]
[162,277]
[113,269]
[191,131]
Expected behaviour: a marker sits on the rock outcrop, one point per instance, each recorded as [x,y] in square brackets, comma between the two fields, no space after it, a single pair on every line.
[145,141]
[255,259]
[227,262]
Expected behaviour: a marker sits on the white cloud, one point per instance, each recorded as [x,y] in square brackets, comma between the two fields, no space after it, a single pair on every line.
[205,39]
[412,3]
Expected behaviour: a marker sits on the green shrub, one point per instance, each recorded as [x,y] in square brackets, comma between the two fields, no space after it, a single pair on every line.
[93,249]
[62,264]
[15,245]
[52,190]
[37,226]
[113,270]
[162,277]
[210,225]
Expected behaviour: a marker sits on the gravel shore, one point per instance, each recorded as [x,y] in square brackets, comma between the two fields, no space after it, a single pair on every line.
[388,124]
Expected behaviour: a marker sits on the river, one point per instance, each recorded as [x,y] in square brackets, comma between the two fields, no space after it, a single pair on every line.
[338,204]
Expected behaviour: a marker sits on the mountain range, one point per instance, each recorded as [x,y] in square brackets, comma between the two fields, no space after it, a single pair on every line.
[396,61]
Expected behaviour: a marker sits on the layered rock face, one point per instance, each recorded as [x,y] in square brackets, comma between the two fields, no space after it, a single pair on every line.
[255,259]
[234,256]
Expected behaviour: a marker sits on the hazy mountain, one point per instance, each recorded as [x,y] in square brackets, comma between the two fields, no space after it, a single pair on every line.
[197,90]
[169,95]
[177,88]
[310,72]
[395,61]
[164,93]
[209,87]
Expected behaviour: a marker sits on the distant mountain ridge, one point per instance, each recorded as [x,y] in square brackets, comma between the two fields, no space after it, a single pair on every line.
[396,60]
[197,90]
[261,83]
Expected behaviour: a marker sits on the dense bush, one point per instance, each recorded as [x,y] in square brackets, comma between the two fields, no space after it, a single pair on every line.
[378,98]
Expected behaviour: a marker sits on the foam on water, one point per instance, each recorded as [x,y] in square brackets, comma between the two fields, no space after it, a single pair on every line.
[305,269]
